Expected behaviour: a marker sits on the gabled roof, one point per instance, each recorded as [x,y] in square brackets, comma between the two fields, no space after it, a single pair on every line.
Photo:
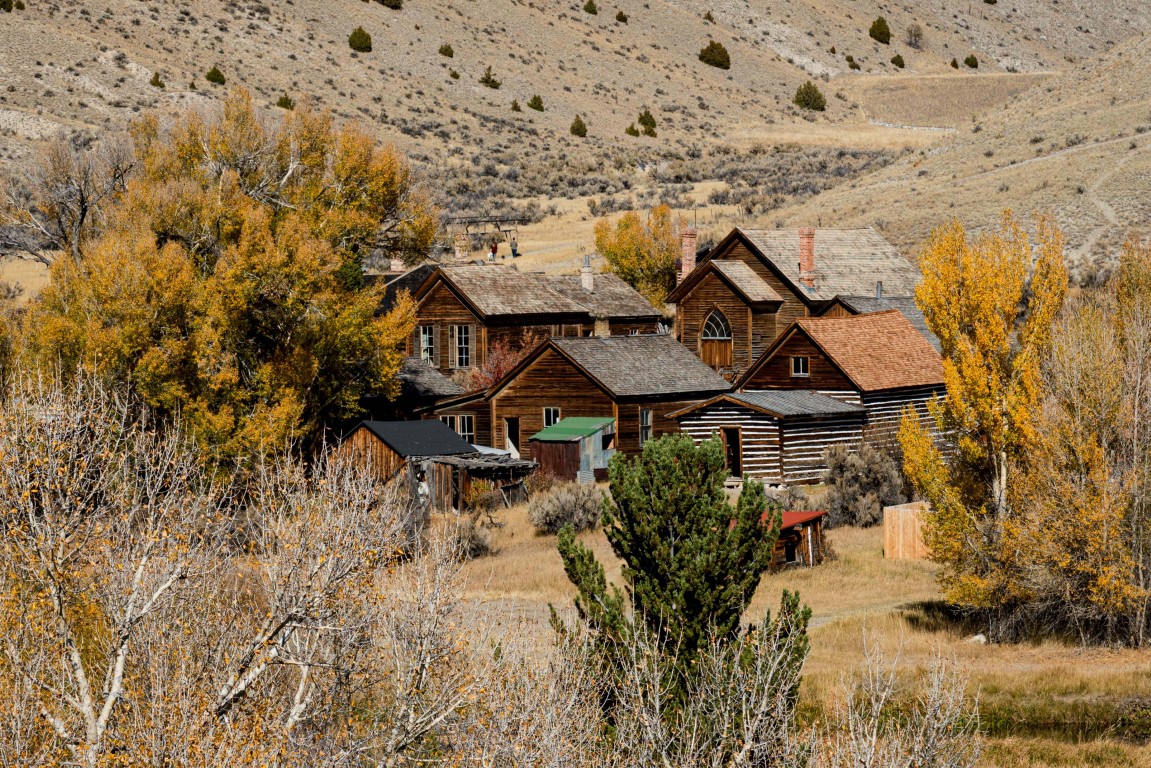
[419,379]
[429,437]
[573,428]
[905,304]
[494,290]
[742,279]
[847,261]
[876,352]
[638,366]
[409,281]
[782,403]
[610,296]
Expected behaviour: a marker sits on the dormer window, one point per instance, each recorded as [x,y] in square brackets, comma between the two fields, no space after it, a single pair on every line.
[799,366]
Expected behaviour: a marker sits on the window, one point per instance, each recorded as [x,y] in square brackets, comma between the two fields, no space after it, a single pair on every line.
[644,425]
[428,345]
[551,416]
[450,421]
[467,428]
[799,366]
[715,343]
[716,327]
[461,346]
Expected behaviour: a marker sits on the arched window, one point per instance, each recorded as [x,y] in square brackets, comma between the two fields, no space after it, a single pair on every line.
[716,328]
[715,345]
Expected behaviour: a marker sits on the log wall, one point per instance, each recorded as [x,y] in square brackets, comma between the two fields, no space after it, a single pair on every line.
[759,435]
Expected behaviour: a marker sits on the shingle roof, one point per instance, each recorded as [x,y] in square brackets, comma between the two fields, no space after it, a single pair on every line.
[905,304]
[802,402]
[847,261]
[743,277]
[610,296]
[877,351]
[429,437]
[419,379]
[632,366]
[498,290]
[408,281]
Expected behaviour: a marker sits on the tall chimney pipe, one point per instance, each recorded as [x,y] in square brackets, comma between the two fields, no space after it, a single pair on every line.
[807,256]
[587,277]
[688,240]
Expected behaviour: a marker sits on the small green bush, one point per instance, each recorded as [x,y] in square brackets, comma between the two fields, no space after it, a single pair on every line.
[832,51]
[574,504]
[621,17]
[954,64]
[631,130]
[579,127]
[853,65]
[971,61]
[360,41]
[489,79]
[285,102]
[590,7]
[647,122]
[6,6]
[156,81]
[715,55]
[915,36]
[808,96]
[18,5]
[446,50]
[880,32]
[536,103]
[991,2]
[395,5]
[453,74]
[897,60]
[708,17]
[215,76]
[516,106]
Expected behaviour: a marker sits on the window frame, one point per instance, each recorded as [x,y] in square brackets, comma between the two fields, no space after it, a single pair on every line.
[468,433]
[467,349]
[800,361]
[547,413]
[450,420]
[725,326]
[646,425]
[427,333]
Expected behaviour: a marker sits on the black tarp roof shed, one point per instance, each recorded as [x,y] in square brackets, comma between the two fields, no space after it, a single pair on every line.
[419,438]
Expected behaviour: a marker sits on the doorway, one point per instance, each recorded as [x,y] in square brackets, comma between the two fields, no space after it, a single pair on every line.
[512,430]
[733,451]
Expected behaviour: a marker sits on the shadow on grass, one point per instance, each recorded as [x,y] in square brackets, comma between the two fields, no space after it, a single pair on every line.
[939,616]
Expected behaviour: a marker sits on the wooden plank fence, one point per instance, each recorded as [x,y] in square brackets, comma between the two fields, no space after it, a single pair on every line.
[903,532]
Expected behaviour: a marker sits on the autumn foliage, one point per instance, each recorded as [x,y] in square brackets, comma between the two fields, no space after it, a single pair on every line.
[643,253]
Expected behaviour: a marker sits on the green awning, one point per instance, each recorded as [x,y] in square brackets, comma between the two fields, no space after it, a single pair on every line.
[573,428]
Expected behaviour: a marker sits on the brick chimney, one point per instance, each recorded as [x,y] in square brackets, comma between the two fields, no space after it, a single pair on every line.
[688,240]
[807,256]
[586,276]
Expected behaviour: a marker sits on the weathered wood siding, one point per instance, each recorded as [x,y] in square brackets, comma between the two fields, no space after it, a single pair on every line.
[367,450]
[759,435]
[776,372]
[710,294]
[805,441]
[629,327]
[627,421]
[560,460]
[482,415]
[792,307]
[885,411]
[837,310]
[551,381]
[442,308]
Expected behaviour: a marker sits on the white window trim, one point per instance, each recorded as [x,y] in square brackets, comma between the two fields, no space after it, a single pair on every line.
[806,364]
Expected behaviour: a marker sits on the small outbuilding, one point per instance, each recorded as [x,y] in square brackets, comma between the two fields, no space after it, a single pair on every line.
[800,541]
[387,446]
[576,448]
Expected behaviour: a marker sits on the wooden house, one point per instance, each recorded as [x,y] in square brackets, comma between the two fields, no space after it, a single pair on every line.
[730,314]
[419,386]
[800,541]
[463,311]
[879,361]
[846,306]
[775,436]
[634,380]
[575,448]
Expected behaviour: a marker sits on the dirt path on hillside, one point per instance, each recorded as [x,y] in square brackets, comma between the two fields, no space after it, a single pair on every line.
[1110,218]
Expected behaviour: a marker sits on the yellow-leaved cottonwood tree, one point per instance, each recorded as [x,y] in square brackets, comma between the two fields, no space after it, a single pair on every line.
[991,302]
[225,280]
[643,253]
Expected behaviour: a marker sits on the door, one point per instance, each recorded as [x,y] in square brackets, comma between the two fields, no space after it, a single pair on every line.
[733,451]
[512,430]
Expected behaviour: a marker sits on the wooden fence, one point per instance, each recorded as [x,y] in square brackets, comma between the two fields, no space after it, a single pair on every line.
[903,532]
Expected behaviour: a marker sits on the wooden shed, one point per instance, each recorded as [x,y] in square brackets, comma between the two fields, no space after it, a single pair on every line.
[576,448]
[387,446]
[777,436]
[800,541]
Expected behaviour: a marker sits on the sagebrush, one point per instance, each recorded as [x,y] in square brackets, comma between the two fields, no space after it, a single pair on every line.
[861,483]
[574,504]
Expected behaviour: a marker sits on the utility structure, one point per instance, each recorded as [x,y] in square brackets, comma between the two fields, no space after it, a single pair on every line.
[466,231]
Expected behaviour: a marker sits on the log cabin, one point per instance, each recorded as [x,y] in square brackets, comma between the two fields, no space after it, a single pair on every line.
[729,314]
[463,311]
[775,436]
[879,361]
[633,380]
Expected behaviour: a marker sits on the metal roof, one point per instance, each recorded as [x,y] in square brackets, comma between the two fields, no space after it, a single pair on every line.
[795,402]
[572,428]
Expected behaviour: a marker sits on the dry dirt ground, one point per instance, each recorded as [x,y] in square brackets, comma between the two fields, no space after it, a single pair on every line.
[861,597]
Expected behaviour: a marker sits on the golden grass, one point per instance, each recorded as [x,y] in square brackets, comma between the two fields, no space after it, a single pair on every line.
[1023,689]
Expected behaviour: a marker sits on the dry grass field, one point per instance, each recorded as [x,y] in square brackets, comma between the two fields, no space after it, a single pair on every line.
[1045,704]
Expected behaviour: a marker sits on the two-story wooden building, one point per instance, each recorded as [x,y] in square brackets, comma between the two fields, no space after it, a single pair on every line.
[879,361]
[750,287]
[635,380]
[463,311]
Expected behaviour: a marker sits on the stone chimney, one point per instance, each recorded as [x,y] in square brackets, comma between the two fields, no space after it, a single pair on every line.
[807,256]
[688,241]
[586,276]
[396,265]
